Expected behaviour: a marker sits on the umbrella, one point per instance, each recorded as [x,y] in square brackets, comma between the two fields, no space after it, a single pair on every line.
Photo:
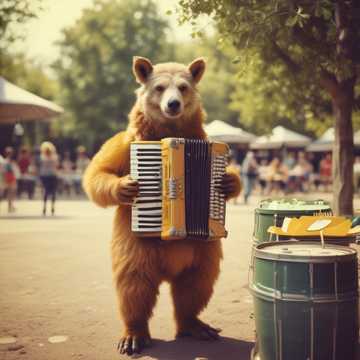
[18,104]
[326,141]
[221,131]
[280,137]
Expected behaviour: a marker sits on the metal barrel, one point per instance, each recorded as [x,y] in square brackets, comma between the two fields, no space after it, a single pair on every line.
[272,212]
[305,301]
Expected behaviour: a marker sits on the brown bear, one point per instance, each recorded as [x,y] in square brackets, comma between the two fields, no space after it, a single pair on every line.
[168,105]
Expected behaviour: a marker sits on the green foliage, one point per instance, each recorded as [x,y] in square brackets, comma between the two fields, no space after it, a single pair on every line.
[265,98]
[25,73]
[95,63]
[218,83]
[282,50]
[13,13]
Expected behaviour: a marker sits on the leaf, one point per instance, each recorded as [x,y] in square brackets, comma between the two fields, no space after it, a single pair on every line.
[292,21]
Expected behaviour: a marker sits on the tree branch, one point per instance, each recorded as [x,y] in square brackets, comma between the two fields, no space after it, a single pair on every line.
[286,58]
[307,40]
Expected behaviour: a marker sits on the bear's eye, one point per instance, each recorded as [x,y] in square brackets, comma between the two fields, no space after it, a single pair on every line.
[183,88]
[159,88]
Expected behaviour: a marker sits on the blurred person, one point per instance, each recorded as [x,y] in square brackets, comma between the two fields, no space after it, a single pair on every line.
[235,167]
[289,160]
[36,155]
[2,183]
[356,173]
[326,171]
[27,180]
[67,173]
[249,172]
[263,170]
[278,175]
[82,162]
[299,175]
[314,180]
[11,174]
[48,171]
[307,170]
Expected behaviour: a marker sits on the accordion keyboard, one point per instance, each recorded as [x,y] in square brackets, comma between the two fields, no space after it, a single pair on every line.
[217,197]
[146,169]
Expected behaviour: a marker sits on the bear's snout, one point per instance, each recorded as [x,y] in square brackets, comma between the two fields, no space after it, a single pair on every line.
[173,105]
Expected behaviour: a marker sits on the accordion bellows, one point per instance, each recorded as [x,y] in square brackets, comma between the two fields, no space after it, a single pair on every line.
[179,188]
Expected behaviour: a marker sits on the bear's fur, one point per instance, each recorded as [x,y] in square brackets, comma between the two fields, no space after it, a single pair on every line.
[141,264]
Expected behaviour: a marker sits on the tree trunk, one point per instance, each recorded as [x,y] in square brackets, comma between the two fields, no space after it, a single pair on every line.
[343,150]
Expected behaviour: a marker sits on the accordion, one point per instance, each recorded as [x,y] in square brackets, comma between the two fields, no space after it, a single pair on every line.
[179,188]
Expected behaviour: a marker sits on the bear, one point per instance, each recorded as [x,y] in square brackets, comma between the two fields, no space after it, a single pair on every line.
[168,104]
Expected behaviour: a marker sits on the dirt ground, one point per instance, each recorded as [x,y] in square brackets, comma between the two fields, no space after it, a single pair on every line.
[55,280]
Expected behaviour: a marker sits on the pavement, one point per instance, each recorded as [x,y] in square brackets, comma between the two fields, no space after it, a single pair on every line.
[57,300]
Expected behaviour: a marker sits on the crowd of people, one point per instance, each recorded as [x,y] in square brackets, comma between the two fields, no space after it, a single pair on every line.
[279,176]
[44,168]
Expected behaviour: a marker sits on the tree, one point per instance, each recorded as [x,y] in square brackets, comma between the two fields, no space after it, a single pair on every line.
[265,98]
[94,67]
[318,42]
[15,12]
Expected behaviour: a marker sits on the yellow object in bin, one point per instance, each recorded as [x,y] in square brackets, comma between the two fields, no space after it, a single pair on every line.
[334,226]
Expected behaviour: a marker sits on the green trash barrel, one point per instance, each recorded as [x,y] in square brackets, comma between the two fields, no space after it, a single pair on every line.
[272,212]
[305,301]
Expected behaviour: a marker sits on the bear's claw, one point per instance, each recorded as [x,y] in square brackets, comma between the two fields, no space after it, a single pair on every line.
[133,344]
[199,330]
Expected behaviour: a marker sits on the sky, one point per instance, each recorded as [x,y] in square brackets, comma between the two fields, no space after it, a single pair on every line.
[42,33]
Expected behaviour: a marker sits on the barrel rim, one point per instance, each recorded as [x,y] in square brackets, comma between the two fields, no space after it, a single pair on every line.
[278,296]
[290,212]
[317,202]
[259,253]
[302,239]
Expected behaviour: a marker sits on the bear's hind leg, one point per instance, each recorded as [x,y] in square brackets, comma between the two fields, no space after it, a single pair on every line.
[137,295]
[191,292]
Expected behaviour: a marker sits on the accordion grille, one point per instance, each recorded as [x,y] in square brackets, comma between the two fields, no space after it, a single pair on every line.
[197,185]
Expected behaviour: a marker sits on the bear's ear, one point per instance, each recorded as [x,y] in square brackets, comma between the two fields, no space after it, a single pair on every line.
[197,68]
[142,68]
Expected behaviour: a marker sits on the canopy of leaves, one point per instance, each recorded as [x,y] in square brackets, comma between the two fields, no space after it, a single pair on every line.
[299,32]
[13,13]
[265,98]
[24,72]
[282,49]
[94,68]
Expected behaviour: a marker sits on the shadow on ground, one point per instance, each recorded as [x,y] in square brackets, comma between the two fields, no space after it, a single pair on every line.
[185,349]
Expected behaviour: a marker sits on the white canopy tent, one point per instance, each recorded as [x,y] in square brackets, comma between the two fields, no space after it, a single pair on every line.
[280,137]
[326,140]
[17,104]
[221,131]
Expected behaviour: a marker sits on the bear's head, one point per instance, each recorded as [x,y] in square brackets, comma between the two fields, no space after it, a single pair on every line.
[168,91]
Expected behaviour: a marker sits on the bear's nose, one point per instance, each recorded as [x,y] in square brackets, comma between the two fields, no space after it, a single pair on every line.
[174,105]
